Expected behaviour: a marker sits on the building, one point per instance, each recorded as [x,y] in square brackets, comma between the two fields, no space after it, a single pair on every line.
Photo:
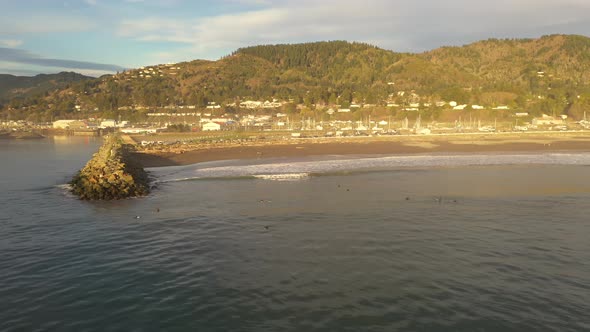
[251,104]
[69,124]
[108,123]
[139,130]
[547,120]
[213,105]
[211,126]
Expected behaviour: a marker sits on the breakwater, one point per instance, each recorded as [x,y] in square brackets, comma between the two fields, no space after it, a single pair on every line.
[111,174]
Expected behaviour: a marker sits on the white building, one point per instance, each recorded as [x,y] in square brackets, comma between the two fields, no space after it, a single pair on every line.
[139,130]
[547,120]
[251,104]
[68,124]
[211,126]
[108,123]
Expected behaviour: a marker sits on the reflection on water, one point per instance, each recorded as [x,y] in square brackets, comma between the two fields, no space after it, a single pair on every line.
[454,248]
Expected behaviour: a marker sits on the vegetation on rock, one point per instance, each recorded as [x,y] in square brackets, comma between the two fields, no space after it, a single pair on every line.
[110,174]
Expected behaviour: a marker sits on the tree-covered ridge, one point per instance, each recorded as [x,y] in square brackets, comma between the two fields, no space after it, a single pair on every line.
[549,74]
[16,86]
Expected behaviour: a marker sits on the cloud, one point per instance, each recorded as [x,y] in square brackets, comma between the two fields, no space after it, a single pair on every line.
[44,23]
[26,58]
[402,25]
[12,43]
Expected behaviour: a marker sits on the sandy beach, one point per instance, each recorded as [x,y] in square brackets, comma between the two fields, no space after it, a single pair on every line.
[394,145]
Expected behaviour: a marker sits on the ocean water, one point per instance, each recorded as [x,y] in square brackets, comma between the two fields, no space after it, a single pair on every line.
[409,243]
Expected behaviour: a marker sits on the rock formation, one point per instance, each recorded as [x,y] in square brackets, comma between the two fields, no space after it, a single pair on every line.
[111,174]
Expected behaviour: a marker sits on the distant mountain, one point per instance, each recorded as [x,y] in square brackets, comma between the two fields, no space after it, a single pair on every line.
[22,86]
[550,75]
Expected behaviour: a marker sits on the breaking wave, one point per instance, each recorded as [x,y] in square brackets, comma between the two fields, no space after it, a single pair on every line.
[299,169]
[283,177]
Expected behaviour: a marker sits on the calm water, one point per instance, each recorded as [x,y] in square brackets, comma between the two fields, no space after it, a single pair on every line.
[326,244]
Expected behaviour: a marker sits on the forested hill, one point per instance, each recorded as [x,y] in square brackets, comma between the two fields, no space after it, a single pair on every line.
[21,86]
[550,74]
[324,60]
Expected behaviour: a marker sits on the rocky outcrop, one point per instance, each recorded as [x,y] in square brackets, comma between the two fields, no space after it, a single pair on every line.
[111,174]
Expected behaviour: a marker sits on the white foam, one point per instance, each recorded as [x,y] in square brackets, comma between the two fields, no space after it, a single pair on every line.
[283,177]
[273,170]
[64,186]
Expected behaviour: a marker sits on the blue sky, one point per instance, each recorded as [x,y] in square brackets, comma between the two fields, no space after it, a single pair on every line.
[102,36]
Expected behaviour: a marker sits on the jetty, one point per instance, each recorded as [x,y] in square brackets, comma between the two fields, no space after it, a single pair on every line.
[111,174]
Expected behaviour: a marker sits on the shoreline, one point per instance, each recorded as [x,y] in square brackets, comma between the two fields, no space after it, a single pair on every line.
[366,146]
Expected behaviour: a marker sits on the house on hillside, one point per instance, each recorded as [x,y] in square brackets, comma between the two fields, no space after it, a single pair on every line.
[251,104]
[213,105]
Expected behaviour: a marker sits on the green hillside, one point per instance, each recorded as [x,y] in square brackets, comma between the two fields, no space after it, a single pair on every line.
[550,75]
[12,87]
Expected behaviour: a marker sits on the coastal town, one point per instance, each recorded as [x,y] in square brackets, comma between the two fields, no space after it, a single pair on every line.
[330,121]
[295,165]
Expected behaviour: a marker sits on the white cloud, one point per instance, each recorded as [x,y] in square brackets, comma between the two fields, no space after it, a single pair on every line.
[12,43]
[47,23]
[402,25]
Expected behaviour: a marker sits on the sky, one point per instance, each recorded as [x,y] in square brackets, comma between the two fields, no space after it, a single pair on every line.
[96,37]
